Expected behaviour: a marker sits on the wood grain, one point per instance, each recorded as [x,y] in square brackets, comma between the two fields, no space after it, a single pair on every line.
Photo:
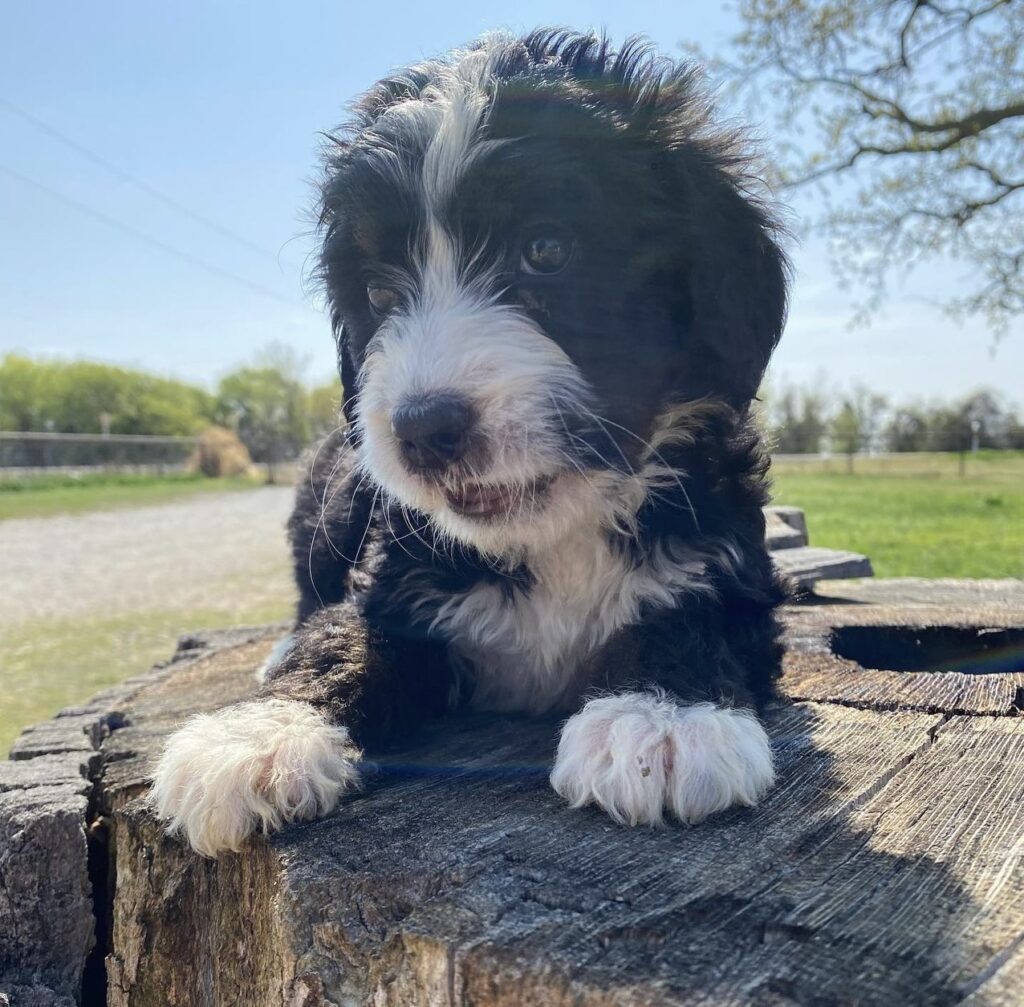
[884,869]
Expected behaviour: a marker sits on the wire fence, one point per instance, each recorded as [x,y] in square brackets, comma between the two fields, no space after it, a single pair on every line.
[32,453]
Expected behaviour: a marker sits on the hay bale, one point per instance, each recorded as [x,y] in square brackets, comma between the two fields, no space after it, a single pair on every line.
[219,453]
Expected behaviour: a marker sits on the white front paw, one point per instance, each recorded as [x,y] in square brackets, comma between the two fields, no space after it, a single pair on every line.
[637,754]
[254,765]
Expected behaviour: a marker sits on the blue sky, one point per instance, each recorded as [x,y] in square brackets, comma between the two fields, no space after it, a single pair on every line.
[217,106]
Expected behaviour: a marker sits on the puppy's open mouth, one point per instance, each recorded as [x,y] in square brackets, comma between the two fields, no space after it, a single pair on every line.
[478,500]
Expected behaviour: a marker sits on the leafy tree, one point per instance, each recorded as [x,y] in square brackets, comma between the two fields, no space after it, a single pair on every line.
[987,417]
[796,420]
[1015,434]
[323,406]
[909,114]
[870,410]
[980,419]
[907,430]
[266,407]
[856,425]
[846,430]
[948,430]
[72,396]
[22,398]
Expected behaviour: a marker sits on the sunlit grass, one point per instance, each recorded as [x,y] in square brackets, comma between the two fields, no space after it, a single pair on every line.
[48,664]
[918,519]
[42,496]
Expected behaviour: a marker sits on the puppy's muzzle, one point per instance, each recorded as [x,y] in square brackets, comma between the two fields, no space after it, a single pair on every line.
[432,431]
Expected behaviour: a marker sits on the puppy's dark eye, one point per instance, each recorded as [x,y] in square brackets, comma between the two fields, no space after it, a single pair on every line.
[547,253]
[382,299]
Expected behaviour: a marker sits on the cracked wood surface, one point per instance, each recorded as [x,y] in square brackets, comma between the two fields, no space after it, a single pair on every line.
[814,672]
[885,868]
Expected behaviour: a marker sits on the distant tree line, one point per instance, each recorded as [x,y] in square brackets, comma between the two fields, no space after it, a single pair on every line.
[804,420]
[268,403]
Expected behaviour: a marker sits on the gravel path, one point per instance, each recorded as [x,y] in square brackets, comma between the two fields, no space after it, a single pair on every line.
[179,555]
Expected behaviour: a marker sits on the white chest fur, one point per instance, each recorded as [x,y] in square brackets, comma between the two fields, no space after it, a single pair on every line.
[524,648]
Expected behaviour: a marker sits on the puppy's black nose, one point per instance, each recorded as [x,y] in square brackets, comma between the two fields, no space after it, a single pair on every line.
[433,431]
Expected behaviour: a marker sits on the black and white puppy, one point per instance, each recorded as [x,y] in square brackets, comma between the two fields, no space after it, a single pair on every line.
[554,298]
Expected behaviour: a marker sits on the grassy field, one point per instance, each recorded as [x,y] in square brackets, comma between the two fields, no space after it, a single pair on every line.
[41,496]
[915,516]
[48,665]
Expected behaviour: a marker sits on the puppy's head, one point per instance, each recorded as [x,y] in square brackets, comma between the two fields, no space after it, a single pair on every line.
[532,249]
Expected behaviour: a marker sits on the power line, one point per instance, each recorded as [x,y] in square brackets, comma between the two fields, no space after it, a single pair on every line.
[148,239]
[139,183]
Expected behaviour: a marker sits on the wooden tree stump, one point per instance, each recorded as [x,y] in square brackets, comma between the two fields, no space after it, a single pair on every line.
[885,868]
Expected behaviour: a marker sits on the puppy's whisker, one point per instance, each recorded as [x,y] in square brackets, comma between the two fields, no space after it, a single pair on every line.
[369,521]
[603,426]
[327,503]
[395,537]
[431,546]
[316,456]
[321,522]
[667,468]
[324,502]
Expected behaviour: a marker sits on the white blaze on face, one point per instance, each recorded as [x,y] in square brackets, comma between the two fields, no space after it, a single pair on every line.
[453,336]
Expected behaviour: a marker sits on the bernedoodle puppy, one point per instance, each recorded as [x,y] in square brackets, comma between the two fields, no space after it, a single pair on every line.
[554,297]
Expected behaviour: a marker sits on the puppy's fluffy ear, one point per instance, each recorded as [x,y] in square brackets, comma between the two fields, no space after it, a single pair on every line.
[330,211]
[733,274]
[738,293]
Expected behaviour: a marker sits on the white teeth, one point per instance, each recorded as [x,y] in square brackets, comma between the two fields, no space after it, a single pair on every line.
[477,499]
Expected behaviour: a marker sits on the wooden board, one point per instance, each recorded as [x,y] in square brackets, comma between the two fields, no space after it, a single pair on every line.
[806,565]
[906,606]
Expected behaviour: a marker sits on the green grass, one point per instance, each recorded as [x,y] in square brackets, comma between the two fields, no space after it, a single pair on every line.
[42,496]
[915,517]
[49,664]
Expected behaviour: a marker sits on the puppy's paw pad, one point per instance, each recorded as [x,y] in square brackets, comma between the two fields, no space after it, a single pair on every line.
[252,766]
[637,755]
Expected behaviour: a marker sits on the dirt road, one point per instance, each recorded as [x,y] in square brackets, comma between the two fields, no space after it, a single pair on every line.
[89,599]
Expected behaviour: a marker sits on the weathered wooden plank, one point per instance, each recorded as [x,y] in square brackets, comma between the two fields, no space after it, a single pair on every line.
[794,517]
[1001,985]
[17,995]
[923,900]
[1005,596]
[827,679]
[46,925]
[781,535]
[808,564]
